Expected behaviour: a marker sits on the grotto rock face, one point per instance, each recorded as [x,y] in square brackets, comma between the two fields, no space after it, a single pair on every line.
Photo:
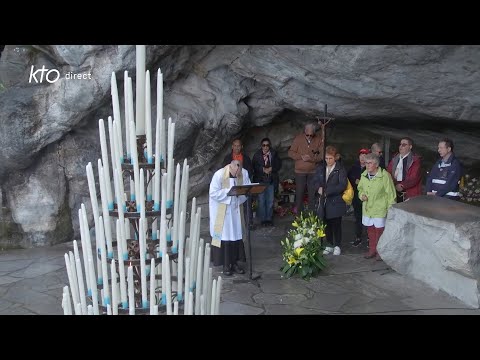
[215,93]
[437,241]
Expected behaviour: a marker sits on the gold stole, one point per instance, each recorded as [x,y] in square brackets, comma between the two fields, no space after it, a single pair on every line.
[222,209]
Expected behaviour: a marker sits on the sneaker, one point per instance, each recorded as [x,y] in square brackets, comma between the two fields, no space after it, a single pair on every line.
[336,250]
[357,242]
[328,250]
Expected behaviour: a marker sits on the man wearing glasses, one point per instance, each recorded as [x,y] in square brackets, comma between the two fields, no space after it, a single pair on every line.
[405,168]
[266,164]
[307,151]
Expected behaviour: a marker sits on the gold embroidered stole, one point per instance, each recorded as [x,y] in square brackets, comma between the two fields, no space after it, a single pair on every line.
[222,209]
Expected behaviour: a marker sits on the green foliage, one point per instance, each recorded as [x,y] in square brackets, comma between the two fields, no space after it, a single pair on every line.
[302,249]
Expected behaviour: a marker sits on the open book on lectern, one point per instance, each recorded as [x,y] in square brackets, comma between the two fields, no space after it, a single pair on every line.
[252,189]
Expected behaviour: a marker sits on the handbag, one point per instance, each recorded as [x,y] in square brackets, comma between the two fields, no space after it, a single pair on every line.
[348,194]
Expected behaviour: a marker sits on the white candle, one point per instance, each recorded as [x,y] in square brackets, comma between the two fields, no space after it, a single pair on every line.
[160,119]
[113,275]
[217,295]
[175,308]
[202,304]
[163,236]
[91,268]
[131,114]
[121,267]
[148,118]
[93,192]
[176,211]
[84,250]
[199,275]
[206,266]
[136,169]
[143,270]
[121,210]
[190,303]
[116,110]
[81,286]
[152,286]
[193,265]
[181,240]
[214,296]
[158,156]
[111,141]
[160,111]
[170,162]
[73,266]
[94,203]
[192,225]
[140,90]
[103,145]
[131,292]
[209,290]
[127,112]
[187,281]
[105,211]
[168,282]
[71,281]
[67,310]
[103,256]
[94,288]
[78,309]
[141,195]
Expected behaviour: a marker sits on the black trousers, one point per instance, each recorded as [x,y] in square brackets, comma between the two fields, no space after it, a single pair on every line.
[300,181]
[334,231]
[229,253]
[357,212]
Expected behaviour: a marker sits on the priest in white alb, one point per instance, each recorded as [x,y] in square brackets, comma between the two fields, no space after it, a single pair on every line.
[227,226]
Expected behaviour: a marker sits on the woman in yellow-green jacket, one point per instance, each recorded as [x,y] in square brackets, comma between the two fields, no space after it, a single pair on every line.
[377,193]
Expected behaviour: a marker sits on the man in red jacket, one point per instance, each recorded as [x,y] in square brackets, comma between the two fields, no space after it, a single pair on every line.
[405,168]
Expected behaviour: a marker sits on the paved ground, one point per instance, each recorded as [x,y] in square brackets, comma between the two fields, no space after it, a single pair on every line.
[31,282]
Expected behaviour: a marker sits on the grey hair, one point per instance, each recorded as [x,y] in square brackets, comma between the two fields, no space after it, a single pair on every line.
[310,126]
[372,157]
[376,146]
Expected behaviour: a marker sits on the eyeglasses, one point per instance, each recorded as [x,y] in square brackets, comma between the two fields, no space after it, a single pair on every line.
[404,144]
[309,135]
[265,145]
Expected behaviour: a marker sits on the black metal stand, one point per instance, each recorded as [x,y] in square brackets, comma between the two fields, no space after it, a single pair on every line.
[250,260]
[248,190]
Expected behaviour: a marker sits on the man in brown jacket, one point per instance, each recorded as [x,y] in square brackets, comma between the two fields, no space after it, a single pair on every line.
[307,151]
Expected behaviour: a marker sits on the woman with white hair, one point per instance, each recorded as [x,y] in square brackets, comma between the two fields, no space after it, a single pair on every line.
[377,193]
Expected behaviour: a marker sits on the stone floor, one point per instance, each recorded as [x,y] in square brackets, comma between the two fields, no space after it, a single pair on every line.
[31,282]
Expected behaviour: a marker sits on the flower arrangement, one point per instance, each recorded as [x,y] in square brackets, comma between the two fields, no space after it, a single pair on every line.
[302,248]
[470,190]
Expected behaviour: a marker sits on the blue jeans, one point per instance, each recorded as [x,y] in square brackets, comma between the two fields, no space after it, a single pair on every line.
[265,204]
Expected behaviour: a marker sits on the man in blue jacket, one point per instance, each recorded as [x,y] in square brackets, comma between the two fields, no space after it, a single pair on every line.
[445,176]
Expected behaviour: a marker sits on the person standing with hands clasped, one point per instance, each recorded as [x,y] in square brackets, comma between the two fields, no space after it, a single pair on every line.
[307,151]
[377,192]
[334,206]
[266,164]
[227,224]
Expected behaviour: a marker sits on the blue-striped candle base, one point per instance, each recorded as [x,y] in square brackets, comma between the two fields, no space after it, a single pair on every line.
[169,204]
[125,305]
[164,299]
[179,296]
[145,304]
[106,300]
[110,255]
[110,206]
[174,250]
